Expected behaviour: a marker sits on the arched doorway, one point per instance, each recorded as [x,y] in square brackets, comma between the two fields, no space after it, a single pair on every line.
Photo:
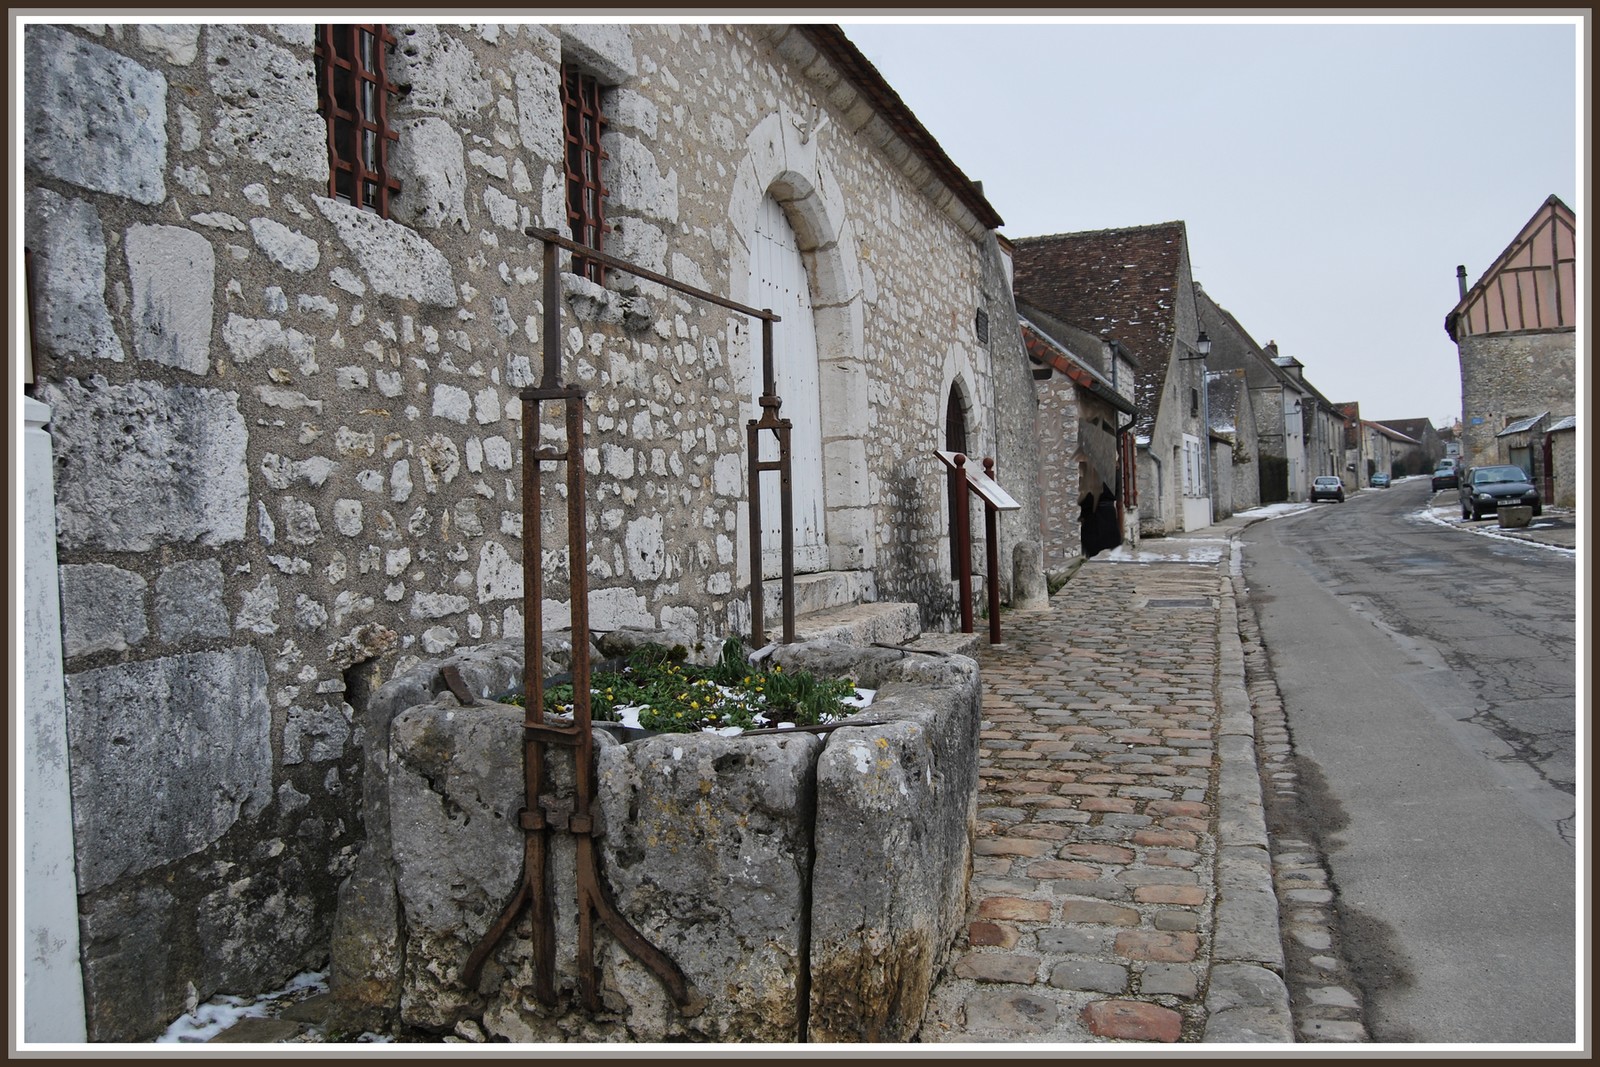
[778,280]
[955,440]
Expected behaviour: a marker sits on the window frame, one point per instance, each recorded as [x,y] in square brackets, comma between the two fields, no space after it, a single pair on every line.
[353,57]
[583,124]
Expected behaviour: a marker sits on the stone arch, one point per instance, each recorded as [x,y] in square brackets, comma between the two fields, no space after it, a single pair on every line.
[784,160]
[960,384]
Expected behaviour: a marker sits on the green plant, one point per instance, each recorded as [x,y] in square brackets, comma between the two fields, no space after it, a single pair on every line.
[672,696]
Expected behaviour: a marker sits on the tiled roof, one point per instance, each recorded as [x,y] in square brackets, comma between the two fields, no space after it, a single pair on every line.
[1046,350]
[1522,425]
[1416,428]
[1393,435]
[1115,284]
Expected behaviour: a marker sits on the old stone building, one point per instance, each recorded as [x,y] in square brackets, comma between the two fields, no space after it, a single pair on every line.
[1134,286]
[283,305]
[1429,450]
[1269,420]
[1235,447]
[1515,334]
[1085,439]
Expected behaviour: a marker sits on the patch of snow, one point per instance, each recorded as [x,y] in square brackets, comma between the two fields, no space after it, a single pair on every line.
[223,1011]
[862,699]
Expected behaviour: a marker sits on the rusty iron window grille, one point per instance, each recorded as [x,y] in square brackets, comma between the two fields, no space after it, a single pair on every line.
[583,124]
[353,90]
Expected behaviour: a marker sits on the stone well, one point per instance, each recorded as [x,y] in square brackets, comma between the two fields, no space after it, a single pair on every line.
[808,885]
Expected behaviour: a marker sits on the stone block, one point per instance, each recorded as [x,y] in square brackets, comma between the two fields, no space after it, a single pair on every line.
[1130,1020]
[440,73]
[289,249]
[538,87]
[71,319]
[172,272]
[896,810]
[455,787]
[167,755]
[1514,517]
[605,48]
[396,261]
[141,465]
[126,939]
[998,967]
[706,848]
[94,118]
[102,609]
[1011,1011]
[1091,975]
[430,161]
[266,105]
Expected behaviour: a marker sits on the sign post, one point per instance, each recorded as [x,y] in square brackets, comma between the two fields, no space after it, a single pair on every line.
[995,500]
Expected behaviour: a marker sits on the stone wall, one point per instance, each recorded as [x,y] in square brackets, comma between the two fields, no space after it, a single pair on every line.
[1058,455]
[287,431]
[1564,468]
[808,885]
[1016,408]
[1506,377]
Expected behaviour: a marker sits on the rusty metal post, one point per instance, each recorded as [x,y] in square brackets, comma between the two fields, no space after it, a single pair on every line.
[543,813]
[963,546]
[786,522]
[758,596]
[771,405]
[991,534]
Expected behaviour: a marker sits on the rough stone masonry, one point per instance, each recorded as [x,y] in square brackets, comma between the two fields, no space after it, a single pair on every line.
[287,430]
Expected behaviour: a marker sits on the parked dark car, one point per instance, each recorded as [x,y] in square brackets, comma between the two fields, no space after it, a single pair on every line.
[1485,489]
[1327,488]
[1380,481]
[1445,476]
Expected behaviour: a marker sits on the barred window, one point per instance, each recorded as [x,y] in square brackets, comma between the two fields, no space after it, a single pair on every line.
[353,90]
[583,124]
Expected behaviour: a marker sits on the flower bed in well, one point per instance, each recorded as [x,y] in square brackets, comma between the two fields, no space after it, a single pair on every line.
[654,689]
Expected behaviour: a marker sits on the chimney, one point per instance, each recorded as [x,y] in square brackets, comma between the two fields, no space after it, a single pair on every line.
[1272,350]
[1461,280]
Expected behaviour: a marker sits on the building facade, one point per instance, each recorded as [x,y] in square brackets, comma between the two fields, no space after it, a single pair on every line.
[283,362]
[1134,286]
[1515,333]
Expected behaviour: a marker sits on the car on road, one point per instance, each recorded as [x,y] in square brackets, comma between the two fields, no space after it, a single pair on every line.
[1380,481]
[1445,475]
[1327,487]
[1485,489]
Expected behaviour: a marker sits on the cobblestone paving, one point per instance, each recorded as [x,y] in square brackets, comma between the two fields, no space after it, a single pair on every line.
[1091,906]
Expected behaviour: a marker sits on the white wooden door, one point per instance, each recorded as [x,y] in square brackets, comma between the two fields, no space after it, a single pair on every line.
[778,281]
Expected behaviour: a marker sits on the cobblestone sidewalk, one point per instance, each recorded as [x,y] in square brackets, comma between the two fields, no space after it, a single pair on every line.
[1122,888]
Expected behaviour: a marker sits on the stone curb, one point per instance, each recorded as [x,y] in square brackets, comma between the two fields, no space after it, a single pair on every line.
[1247,999]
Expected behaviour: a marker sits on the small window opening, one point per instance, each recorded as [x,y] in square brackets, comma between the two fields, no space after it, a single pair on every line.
[353,90]
[583,124]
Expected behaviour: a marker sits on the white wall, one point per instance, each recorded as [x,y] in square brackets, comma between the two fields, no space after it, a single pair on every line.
[52,978]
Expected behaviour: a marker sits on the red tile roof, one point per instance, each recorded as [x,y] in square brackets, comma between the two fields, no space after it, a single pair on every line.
[1116,284]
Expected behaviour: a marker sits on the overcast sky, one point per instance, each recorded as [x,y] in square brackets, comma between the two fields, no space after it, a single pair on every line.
[1331,176]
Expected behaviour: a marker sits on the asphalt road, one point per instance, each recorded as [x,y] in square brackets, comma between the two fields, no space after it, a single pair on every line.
[1430,681]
